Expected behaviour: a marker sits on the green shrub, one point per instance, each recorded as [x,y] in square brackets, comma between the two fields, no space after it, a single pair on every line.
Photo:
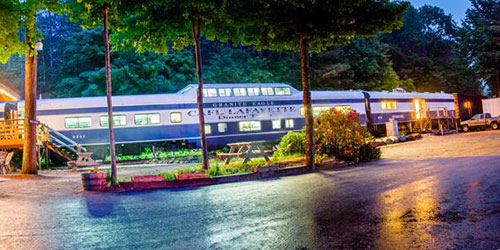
[293,143]
[220,169]
[339,133]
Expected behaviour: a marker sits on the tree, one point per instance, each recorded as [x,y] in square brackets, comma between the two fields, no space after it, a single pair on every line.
[151,25]
[310,26]
[15,15]
[92,13]
[427,51]
[361,64]
[481,32]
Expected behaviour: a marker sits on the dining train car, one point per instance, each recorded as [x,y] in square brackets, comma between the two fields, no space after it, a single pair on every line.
[233,113]
[408,106]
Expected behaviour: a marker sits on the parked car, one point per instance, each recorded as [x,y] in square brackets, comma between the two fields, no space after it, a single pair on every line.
[480,121]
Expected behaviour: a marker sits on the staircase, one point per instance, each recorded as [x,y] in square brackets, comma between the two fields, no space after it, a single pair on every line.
[59,143]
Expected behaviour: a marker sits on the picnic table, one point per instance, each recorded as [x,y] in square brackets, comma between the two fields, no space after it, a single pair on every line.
[245,150]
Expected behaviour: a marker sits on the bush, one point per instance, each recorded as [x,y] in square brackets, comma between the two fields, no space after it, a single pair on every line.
[339,133]
[293,143]
[233,168]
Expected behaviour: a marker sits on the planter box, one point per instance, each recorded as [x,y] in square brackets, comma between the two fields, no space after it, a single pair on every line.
[149,182]
[190,176]
[266,169]
[94,181]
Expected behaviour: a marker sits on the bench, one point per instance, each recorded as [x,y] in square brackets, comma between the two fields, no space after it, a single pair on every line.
[83,160]
[5,159]
[245,150]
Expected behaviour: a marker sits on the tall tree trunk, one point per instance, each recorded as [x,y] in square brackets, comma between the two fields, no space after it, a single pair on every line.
[306,89]
[196,25]
[112,149]
[29,145]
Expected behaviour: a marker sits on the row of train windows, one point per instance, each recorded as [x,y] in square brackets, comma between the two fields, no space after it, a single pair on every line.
[387,104]
[120,120]
[253,91]
[154,118]
[248,126]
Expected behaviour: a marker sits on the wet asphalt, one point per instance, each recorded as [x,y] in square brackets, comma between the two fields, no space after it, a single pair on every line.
[437,203]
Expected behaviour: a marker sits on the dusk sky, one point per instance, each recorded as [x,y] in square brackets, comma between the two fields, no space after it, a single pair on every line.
[456,8]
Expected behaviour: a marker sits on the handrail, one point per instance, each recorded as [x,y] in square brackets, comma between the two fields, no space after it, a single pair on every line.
[68,140]
[62,144]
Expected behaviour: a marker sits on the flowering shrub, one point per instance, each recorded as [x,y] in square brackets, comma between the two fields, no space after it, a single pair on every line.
[339,133]
[293,143]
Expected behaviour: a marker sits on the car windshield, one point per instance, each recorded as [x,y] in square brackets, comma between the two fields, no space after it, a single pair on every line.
[476,117]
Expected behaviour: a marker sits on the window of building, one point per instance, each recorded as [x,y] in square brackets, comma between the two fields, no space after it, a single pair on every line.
[118,120]
[210,92]
[224,92]
[282,91]
[316,110]
[249,126]
[147,119]
[222,127]
[267,91]
[343,108]
[386,104]
[208,129]
[253,91]
[276,124]
[78,122]
[240,92]
[289,123]
[175,117]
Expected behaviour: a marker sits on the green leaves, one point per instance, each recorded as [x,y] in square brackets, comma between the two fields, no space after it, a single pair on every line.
[480,41]
[276,25]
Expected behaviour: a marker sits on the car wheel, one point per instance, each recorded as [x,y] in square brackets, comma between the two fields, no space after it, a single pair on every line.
[465,128]
[494,125]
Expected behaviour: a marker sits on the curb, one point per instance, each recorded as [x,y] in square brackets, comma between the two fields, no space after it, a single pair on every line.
[153,182]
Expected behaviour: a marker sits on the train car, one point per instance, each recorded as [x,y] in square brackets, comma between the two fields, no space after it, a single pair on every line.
[408,106]
[233,113]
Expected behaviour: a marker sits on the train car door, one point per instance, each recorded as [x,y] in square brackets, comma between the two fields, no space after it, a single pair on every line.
[420,108]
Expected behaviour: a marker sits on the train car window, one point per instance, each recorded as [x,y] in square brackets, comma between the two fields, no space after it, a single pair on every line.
[253,91]
[222,127]
[118,120]
[225,92]
[147,119]
[184,90]
[239,92]
[388,105]
[316,110]
[277,124]
[267,91]
[78,122]
[175,117]
[282,91]
[343,108]
[289,123]
[208,129]
[210,92]
[249,126]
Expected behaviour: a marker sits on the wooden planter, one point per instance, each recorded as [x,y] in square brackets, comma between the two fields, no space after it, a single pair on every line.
[266,169]
[94,181]
[190,176]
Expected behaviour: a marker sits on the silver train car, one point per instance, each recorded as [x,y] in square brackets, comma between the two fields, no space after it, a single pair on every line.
[233,113]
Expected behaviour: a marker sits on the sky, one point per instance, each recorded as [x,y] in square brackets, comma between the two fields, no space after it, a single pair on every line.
[456,8]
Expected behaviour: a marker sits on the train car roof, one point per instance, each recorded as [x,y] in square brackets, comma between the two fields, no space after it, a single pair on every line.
[185,95]
[408,95]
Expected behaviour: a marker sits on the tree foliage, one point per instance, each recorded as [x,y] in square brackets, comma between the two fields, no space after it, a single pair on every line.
[426,50]
[361,64]
[481,35]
